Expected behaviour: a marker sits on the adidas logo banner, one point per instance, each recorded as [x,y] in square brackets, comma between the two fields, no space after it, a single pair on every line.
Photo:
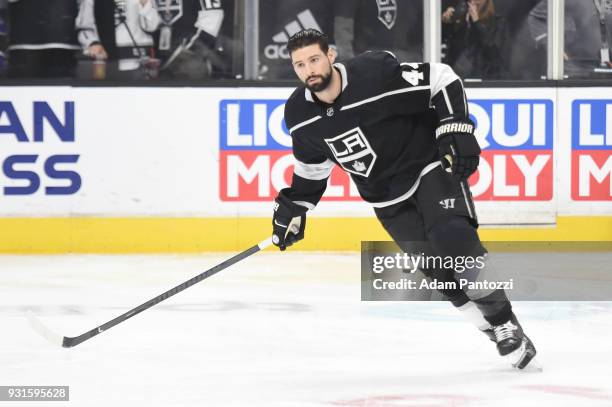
[278,50]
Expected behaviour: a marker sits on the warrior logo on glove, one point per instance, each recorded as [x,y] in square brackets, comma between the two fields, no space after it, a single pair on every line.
[458,148]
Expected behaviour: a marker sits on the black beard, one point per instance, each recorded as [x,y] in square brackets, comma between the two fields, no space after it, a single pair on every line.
[325,80]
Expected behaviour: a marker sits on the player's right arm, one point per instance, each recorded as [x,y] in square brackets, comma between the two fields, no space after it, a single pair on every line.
[308,183]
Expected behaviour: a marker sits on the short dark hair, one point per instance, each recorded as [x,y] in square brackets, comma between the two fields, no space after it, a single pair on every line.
[308,37]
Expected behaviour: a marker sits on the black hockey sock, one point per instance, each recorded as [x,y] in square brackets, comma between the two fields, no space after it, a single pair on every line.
[457,297]
[455,236]
[495,307]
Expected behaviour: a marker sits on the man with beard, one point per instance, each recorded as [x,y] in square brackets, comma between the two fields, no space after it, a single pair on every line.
[371,116]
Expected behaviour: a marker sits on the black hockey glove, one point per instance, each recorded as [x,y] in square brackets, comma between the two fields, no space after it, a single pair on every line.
[288,222]
[458,148]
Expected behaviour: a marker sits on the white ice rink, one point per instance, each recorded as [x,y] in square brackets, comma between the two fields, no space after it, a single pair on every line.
[279,330]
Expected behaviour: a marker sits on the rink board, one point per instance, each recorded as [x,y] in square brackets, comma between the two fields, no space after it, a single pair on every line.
[194,235]
[191,169]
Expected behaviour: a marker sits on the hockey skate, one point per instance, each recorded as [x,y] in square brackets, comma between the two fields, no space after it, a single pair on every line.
[490,334]
[513,344]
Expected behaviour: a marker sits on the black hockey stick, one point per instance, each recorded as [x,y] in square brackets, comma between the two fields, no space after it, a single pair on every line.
[69,342]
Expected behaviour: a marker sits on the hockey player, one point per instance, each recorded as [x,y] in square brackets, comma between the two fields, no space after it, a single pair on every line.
[373,116]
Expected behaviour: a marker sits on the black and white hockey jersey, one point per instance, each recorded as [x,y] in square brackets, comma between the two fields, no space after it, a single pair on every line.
[380,129]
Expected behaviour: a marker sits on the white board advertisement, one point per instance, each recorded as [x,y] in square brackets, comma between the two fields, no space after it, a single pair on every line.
[216,152]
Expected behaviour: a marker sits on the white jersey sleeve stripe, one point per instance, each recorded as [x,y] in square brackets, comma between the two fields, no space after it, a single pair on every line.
[305,204]
[315,172]
[440,76]
[465,105]
[448,103]
[304,123]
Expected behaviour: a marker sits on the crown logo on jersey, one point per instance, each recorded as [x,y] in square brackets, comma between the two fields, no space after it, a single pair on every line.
[359,166]
[353,152]
[387,12]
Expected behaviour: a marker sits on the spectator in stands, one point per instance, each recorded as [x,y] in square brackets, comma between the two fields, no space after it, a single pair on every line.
[120,31]
[586,34]
[195,40]
[522,52]
[477,48]
[453,29]
[519,48]
[362,25]
[42,38]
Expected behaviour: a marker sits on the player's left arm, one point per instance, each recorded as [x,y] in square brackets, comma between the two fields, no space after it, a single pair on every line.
[457,146]
[413,88]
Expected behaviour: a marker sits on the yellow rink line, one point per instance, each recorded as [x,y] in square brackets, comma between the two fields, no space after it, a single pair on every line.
[190,235]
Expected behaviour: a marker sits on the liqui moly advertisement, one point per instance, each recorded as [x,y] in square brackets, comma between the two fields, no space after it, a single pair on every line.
[516,170]
[516,137]
[591,150]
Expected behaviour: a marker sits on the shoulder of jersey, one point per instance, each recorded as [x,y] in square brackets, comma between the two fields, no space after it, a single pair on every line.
[367,71]
[370,63]
[297,96]
[297,108]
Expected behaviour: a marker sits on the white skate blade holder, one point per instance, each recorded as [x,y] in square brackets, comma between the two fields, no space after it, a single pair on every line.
[516,357]
[533,366]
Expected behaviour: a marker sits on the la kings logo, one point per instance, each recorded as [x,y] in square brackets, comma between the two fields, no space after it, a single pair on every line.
[278,50]
[170,10]
[387,12]
[353,152]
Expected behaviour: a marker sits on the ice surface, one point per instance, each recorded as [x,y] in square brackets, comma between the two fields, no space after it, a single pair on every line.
[279,330]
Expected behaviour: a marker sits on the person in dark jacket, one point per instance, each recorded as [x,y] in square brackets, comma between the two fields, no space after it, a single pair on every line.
[42,38]
[368,25]
[587,35]
[478,46]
